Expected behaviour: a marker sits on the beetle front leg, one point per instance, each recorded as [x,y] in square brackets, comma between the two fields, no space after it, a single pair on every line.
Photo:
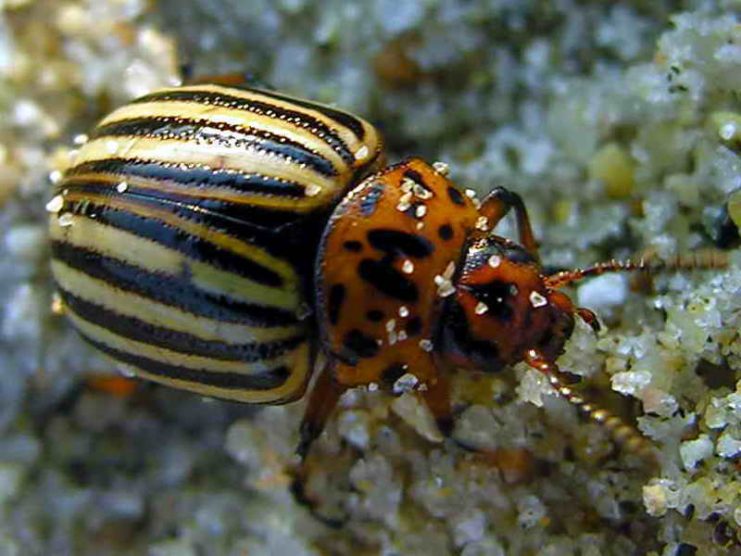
[498,203]
[438,399]
[514,464]
[322,401]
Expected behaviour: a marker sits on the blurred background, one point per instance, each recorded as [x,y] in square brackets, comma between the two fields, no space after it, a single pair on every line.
[620,125]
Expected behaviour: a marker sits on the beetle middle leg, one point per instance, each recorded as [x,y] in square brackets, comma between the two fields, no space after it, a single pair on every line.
[323,399]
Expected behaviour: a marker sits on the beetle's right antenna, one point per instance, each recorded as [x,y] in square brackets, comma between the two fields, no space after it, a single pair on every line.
[700,260]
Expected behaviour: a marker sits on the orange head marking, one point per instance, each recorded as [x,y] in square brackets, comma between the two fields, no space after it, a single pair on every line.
[501,308]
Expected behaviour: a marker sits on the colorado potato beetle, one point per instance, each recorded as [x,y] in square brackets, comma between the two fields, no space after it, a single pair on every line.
[222,239]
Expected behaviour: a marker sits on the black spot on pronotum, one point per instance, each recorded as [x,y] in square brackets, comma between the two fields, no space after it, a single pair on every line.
[415,177]
[456,196]
[353,246]
[395,242]
[445,232]
[388,280]
[334,302]
[374,315]
[414,326]
[359,344]
[412,211]
[392,373]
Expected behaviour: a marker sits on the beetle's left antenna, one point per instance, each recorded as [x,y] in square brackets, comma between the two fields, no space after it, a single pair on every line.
[624,435]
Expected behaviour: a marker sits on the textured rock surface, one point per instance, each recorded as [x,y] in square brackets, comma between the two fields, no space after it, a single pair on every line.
[620,127]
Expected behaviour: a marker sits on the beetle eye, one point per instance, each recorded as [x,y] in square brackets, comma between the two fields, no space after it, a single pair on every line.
[517,254]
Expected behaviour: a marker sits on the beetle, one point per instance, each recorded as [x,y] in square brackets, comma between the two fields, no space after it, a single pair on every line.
[222,239]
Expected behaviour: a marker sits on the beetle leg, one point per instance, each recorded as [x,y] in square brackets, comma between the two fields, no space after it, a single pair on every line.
[515,464]
[438,399]
[624,435]
[323,399]
[498,203]
[588,316]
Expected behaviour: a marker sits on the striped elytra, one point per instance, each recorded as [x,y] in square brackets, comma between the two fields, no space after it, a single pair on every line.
[218,238]
[179,243]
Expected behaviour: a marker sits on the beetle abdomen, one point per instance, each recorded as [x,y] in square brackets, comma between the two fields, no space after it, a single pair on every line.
[183,231]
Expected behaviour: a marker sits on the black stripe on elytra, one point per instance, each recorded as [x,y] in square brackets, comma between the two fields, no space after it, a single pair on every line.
[345,119]
[174,291]
[280,233]
[334,302]
[232,214]
[190,245]
[145,332]
[386,279]
[296,117]
[265,380]
[198,177]
[220,134]
[395,242]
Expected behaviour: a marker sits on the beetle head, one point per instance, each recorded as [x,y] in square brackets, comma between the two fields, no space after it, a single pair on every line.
[501,308]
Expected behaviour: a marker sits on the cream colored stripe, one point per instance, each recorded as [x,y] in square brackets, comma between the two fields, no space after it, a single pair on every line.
[193,194]
[218,157]
[344,133]
[291,389]
[371,139]
[165,316]
[170,357]
[230,116]
[207,233]
[154,257]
